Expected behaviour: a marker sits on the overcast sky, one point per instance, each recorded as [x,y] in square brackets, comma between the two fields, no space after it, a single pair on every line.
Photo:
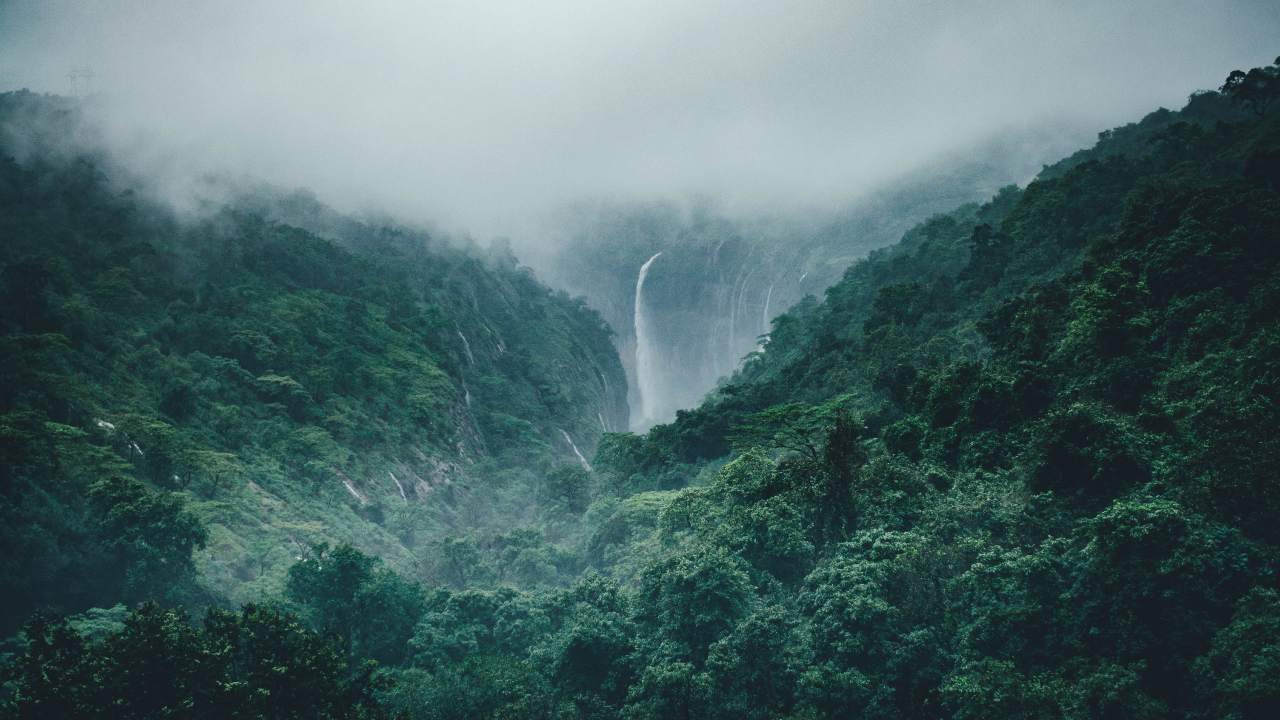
[480,115]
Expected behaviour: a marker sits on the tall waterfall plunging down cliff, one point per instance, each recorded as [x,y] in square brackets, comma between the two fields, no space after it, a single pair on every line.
[646,373]
[764,320]
[724,278]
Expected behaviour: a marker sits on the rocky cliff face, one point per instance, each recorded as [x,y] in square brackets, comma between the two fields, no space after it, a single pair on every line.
[720,280]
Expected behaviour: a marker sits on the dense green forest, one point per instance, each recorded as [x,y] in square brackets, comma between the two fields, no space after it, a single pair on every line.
[190,403]
[1019,464]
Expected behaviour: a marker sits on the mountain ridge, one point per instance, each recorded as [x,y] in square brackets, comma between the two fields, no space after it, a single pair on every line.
[1018,464]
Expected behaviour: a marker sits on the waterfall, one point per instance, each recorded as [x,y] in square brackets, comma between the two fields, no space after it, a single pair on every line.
[569,439]
[737,304]
[733,313]
[604,426]
[646,379]
[399,486]
[354,493]
[718,327]
[604,392]
[471,359]
[497,340]
[764,322]
[742,294]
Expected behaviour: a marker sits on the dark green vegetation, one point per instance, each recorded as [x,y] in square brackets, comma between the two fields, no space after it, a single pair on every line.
[246,388]
[1021,464]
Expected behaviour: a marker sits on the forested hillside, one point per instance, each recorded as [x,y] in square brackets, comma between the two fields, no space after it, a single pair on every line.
[1019,464]
[235,385]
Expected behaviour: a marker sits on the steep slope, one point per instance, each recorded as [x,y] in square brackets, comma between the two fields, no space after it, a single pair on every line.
[922,303]
[1020,464]
[292,387]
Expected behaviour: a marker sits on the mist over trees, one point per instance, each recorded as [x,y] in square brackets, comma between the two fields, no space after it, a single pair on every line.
[490,118]
[722,279]
[1011,454]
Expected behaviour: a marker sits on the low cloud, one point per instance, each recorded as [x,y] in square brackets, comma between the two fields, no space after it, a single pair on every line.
[485,115]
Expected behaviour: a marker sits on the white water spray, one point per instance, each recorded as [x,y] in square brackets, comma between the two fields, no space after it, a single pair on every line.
[497,340]
[354,493]
[569,439]
[646,377]
[471,359]
[733,315]
[764,322]
[742,295]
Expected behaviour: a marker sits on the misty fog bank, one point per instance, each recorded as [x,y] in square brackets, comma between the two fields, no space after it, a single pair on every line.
[486,119]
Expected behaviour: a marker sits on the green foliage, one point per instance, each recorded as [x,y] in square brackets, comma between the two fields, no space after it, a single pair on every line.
[346,593]
[693,598]
[150,534]
[292,375]
[1242,664]
[795,427]
[1255,89]
[1020,464]
[567,489]
[252,664]
[478,687]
